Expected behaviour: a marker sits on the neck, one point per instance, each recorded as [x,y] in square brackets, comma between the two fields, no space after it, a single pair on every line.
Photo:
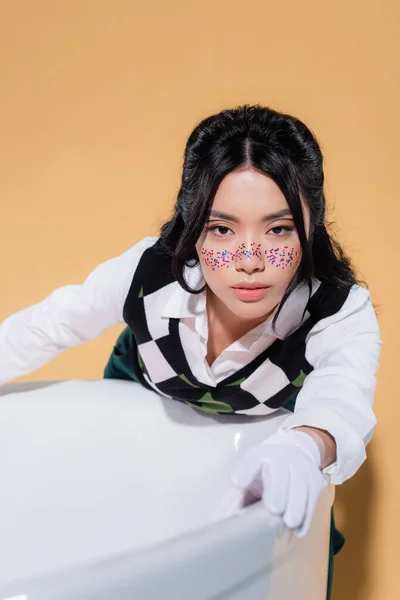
[225,324]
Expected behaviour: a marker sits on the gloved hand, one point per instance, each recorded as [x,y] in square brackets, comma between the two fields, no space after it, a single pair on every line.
[283,471]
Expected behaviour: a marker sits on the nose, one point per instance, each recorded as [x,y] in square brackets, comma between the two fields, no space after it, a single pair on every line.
[249,259]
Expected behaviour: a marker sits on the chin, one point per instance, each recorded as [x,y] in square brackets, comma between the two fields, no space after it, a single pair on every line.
[250,310]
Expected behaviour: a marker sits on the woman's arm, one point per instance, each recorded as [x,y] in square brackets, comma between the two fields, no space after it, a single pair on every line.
[334,405]
[332,422]
[69,316]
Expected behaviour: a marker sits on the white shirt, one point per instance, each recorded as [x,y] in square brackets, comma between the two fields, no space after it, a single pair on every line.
[337,396]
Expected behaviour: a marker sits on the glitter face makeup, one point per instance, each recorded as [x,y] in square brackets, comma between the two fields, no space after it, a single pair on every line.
[249,249]
[217,260]
[279,257]
[283,257]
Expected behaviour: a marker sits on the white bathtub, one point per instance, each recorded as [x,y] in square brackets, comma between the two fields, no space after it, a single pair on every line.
[107,491]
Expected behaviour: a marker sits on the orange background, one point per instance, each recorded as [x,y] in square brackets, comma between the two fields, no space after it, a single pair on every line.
[97,99]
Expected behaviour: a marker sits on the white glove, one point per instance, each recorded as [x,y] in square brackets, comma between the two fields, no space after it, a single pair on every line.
[283,471]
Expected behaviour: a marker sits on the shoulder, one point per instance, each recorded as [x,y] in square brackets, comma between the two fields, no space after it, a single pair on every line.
[354,326]
[354,305]
[350,337]
[116,274]
[129,260]
[123,265]
[144,244]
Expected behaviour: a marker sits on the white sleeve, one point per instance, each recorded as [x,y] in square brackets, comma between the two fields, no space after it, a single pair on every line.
[337,396]
[69,316]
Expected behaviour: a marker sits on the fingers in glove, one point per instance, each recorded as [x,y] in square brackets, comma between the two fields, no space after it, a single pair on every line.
[297,503]
[276,479]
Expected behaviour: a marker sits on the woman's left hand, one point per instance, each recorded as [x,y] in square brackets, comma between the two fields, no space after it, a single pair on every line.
[284,471]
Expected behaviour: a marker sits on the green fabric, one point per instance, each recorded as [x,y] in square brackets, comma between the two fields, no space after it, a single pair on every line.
[119,367]
[209,405]
[119,364]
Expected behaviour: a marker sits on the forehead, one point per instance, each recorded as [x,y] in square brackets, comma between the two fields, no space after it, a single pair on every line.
[247,194]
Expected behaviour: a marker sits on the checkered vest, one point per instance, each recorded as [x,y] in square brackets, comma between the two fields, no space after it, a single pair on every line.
[272,380]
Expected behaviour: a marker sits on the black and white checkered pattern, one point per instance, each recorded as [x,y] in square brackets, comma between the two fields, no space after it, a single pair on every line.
[270,381]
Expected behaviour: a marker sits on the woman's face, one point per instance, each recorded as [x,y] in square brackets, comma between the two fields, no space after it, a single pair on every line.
[249,249]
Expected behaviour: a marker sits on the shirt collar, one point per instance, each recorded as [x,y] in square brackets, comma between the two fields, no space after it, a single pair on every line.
[183,304]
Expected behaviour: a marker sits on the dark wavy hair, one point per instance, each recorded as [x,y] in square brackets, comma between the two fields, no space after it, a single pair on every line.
[278,145]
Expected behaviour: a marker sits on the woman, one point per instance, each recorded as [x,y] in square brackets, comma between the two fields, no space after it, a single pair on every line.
[244,304]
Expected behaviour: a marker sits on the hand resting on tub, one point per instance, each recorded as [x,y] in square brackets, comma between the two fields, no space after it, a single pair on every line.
[285,473]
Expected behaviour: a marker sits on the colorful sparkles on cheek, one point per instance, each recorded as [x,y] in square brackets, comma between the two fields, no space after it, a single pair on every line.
[217,260]
[282,257]
[278,257]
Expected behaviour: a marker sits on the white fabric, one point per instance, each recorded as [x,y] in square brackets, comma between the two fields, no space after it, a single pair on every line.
[285,472]
[343,349]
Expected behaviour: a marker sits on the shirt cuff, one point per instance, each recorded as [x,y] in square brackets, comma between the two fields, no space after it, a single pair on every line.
[350,446]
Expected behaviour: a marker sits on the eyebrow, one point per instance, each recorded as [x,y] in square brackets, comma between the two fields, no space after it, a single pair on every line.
[280,214]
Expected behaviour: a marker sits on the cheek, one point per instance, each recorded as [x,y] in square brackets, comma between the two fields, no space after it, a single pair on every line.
[215,260]
[285,257]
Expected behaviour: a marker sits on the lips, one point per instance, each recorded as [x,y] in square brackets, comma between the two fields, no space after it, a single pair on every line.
[250,292]
[245,285]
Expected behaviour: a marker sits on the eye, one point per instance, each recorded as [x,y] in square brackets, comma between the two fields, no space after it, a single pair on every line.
[281,230]
[219,230]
